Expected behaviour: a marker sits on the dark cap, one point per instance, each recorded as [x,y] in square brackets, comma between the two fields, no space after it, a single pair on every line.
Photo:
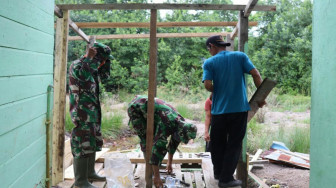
[217,40]
[103,50]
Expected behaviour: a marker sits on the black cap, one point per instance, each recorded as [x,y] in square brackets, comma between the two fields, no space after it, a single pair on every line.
[217,40]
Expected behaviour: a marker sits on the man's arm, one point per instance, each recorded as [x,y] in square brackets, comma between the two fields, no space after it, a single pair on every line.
[208,85]
[256,77]
[207,125]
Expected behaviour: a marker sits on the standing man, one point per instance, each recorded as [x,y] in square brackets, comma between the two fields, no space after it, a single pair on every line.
[86,137]
[167,123]
[223,75]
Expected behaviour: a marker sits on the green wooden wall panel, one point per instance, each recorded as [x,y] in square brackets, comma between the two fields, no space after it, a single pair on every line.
[16,35]
[29,15]
[13,115]
[21,87]
[18,165]
[21,137]
[323,119]
[34,177]
[45,5]
[20,62]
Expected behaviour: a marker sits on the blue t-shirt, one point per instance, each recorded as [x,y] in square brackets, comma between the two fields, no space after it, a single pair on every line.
[226,69]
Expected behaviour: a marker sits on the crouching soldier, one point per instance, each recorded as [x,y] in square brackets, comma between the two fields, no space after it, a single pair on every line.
[86,137]
[167,122]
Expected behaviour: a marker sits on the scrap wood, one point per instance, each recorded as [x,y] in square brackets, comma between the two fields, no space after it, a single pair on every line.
[258,180]
[258,162]
[254,158]
[295,154]
[288,159]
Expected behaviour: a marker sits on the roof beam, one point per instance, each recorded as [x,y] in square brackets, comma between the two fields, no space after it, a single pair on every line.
[234,32]
[78,31]
[58,12]
[137,6]
[249,7]
[159,35]
[160,24]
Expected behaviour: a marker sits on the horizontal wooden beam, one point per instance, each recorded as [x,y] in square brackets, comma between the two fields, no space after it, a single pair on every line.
[58,12]
[159,35]
[137,6]
[160,24]
[78,31]
[175,161]
[249,7]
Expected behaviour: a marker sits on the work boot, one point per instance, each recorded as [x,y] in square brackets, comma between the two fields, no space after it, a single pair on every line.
[92,175]
[232,183]
[81,173]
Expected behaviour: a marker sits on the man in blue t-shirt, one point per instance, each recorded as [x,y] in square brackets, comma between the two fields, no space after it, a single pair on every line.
[223,74]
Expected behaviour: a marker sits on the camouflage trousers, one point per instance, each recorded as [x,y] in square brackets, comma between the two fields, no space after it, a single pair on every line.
[86,138]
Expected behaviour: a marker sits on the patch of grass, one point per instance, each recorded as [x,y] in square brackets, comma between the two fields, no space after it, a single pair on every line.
[68,123]
[300,139]
[111,125]
[306,121]
[294,103]
[184,111]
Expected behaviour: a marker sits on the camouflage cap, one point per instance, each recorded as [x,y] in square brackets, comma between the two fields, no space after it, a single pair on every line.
[187,132]
[103,50]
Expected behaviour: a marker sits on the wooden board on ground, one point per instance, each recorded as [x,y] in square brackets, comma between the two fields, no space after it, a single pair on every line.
[207,168]
[260,95]
[187,178]
[140,172]
[198,179]
[100,184]
[65,184]
[67,154]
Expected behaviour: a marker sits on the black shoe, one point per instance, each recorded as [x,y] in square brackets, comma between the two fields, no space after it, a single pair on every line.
[216,177]
[230,184]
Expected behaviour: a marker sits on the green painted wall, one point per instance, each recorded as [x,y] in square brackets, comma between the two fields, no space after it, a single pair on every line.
[323,112]
[26,70]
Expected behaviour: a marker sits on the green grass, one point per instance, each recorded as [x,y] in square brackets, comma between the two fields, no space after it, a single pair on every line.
[111,125]
[300,139]
[294,103]
[184,111]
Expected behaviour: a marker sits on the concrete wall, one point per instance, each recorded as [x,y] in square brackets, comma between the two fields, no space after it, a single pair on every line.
[26,70]
[323,112]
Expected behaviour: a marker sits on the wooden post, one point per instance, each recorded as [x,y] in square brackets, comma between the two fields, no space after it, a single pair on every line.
[151,95]
[231,41]
[60,69]
[242,172]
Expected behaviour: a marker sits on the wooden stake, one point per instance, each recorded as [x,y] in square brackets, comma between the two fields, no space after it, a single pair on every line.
[61,49]
[151,95]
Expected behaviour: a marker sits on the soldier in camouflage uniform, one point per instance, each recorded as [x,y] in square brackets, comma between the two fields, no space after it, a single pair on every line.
[167,122]
[86,137]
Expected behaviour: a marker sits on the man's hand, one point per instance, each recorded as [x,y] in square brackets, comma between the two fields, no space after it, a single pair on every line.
[261,104]
[206,136]
[169,168]
[157,182]
[92,52]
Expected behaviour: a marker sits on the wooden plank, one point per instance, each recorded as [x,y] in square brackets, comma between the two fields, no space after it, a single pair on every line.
[18,36]
[207,169]
[234,32]
[29,60]
[249,7]
[260,95]
[164,161]
[160,24]
[58,12]
[20,138]
[15,114]
[254,158]
[242,31]
[22,162]
[61,49]
[24,12]
[180,6]
[100,184]
[177,171]
[231,41]
[187,178]
[65,184]
[29,86]
[159,35]
[78,31]
[151,95]
[258,180]
[198,179]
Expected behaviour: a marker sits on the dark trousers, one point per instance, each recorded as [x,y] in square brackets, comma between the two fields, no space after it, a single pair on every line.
[227,133]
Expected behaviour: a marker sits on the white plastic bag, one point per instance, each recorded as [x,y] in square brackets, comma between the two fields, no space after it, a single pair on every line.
[118,170]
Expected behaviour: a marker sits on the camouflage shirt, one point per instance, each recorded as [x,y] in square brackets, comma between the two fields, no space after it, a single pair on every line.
[167,122]
[84,91]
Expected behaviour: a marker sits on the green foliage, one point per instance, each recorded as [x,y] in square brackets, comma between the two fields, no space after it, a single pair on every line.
[111,125]
[282,51]
[184,111]
[294,103]
[300,139]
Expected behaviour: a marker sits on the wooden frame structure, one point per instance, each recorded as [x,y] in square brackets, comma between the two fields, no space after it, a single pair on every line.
[61,43]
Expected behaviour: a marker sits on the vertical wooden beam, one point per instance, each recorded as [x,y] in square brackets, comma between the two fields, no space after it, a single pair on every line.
[231,41]
[242,172]
[60,69]
[151,95]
